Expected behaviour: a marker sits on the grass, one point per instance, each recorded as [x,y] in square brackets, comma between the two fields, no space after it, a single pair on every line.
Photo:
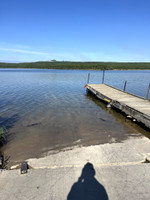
[79,65]
[2,135]
[3,163]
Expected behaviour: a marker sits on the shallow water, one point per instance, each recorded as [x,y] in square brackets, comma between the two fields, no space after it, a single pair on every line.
[47,110]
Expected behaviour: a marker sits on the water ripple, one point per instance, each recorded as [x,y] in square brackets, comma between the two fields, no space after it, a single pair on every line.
[56,103]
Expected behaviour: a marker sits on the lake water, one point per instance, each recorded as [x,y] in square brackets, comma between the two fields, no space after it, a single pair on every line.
[47,110]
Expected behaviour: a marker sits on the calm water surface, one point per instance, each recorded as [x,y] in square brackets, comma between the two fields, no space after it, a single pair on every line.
[47,110]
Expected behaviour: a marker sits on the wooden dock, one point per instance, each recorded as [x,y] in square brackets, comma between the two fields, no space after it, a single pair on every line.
[134,106]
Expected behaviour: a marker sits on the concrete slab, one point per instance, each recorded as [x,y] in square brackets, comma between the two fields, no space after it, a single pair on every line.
[117,171]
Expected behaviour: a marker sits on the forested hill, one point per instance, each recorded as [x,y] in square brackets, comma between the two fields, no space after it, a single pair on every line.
[78,65]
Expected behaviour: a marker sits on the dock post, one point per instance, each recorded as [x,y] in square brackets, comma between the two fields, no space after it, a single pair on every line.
[148,91]
[125,83]
[88,80]
[103,77]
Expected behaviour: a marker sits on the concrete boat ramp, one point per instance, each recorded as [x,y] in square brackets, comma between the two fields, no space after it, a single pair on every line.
[110,171]
[134,106]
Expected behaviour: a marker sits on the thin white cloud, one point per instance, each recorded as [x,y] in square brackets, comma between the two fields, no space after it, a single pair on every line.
[23,51]
[38,55]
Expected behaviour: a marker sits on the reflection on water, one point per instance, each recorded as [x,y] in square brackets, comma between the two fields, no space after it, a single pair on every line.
[52,110]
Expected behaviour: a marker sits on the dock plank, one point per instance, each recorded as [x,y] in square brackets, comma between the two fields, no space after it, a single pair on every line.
[137,107]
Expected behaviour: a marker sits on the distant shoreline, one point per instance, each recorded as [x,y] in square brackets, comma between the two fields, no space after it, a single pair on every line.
[79,65]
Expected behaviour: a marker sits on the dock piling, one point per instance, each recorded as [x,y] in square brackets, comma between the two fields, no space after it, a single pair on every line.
[148,91]
[125,83]
[103,77]
[88,80]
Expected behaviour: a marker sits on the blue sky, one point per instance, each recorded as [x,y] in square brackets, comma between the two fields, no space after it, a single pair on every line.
[75,30]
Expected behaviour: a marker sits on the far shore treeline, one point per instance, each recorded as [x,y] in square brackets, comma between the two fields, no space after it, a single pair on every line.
[79,65]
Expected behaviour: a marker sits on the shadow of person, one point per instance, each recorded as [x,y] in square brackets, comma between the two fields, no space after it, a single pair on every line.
[87,187]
